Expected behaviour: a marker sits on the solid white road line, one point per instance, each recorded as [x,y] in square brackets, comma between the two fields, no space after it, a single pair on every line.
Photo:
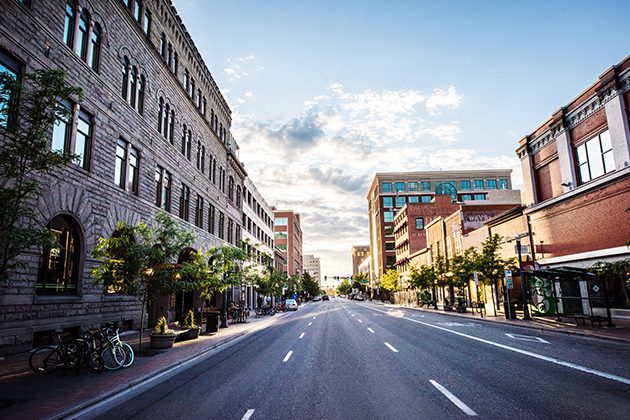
[310,323]
[391,347]
[371,330]
[524,352]
[301,335]
[359,320]
[248,414]
[467,410]
[288,356]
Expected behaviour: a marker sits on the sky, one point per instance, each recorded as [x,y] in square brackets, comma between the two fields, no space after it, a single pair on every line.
[324,94]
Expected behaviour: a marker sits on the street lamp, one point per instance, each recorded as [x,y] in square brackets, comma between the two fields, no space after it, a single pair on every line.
[526,316]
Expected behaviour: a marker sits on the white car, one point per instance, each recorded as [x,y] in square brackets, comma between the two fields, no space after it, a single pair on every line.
[291,305]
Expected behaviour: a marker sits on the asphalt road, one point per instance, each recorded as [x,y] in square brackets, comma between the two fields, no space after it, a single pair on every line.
[355,360]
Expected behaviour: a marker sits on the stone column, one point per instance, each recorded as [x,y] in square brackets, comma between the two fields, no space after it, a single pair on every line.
[619,132]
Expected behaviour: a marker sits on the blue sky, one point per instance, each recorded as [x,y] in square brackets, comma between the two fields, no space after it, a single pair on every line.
[325,93]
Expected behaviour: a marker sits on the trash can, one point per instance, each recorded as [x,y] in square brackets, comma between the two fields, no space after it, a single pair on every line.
[512,310]
[212,322]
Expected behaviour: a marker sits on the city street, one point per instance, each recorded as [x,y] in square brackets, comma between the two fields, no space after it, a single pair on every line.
[346,359]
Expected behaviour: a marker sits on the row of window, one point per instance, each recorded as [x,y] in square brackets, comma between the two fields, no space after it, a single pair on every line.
[389,202]
[425,186]
[82,35]
[594,157]
[140,13]
[251,201]
[251,226]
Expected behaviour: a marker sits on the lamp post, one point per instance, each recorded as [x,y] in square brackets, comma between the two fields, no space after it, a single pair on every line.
[526,316]
[224,312]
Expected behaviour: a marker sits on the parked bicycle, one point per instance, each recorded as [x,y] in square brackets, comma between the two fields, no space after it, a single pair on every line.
[265,310]
[81,352]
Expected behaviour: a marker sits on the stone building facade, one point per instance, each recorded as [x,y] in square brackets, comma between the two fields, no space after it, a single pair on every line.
[153,132]
[359,253]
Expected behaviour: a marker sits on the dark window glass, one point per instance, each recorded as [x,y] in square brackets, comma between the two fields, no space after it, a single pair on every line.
[199,212]
[120,168]
[133,177]
[125,78]
[466,197]
[83,140]
[146,25]
[81,45]
[221,225]
[479,196]
[211,215]
[59,267]
[61,132]
[503,184]
[491,184]
[465,185]
[12,69]
[478,184]
[95,48]
[133,84]
[419,223]
[425,198]
[184,202]
[68,31]
[140,107]
[425,186]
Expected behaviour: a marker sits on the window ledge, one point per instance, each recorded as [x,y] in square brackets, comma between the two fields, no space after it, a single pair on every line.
[46,299]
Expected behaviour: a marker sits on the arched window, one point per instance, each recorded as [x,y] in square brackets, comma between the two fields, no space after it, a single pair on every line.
[133,83]
[125,78]
[167,112]
[188,144]
[170,54]
[68,31]
[141,83]
[163,45]
[59,267]
[171,128]
[184,140]
[161,115]
[231,188]
[212,118]
[95,47]
[238,196]
[81,45]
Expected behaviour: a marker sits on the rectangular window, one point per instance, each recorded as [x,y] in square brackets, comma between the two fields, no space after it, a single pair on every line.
[389,230]
[503,184]
[419,223]
[120,169]
[480,197]
[11,68]
[425,198]
[391,261]
[386,187]
[199,212]
[388,216]
[133,172]
[389,246]
[400,201]
[146,25]
[83,140]
[162,188]
[466,197]
[414,199]
[400,186]
[595,157]
[412,186]
[184,202]
[62,132]
[425,186]
[478,184]
[464,185]
[221,225]
[282,221]
[388,201]
[491,184]
[211,217]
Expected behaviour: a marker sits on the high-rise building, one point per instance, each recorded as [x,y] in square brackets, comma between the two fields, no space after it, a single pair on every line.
[152,133]
[288,239]
[312,267]
[359,254]
[391,191]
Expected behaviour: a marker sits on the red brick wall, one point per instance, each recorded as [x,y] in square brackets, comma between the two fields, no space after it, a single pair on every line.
[546,153]
[548,180]
[589,127]
[592,221]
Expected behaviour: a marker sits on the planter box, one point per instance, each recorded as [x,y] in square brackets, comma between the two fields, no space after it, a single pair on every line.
[162,341]
[190,334]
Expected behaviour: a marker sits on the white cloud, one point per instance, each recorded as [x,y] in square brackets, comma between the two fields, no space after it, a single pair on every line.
[322,162]
[241,68]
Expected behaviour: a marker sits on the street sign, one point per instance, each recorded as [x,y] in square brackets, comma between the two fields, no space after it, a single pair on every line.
[509,280]
[524,249]
[476,277]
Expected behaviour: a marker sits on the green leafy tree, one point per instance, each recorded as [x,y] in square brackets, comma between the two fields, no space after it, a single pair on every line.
[423,278]
[489,263]
[389,281]
[271,283]
[293,284]
[344,287]
[310,285]
[462,268]
[140,260]
[224,270]
[29,107]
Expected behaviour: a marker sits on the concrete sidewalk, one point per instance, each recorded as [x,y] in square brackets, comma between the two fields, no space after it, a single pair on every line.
[621,332]
[27,395]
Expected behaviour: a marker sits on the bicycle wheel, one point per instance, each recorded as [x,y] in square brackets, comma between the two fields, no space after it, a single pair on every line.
[45,359]
[129,355]
[258,311]
[95,362]
[272,311]
[113,357]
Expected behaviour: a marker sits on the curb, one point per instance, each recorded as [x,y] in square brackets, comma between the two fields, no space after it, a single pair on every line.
[512,323]
[67,413]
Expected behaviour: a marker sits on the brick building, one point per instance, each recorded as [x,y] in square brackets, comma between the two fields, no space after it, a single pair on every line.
[288,239]
[359,254]
[152,133]
[576,169]
[391,191]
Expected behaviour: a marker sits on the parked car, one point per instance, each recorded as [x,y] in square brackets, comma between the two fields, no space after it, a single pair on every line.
[342,296]
[359,297]
[325,297]
[291,305]
[317,298]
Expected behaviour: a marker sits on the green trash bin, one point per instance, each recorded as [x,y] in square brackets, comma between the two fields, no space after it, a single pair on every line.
[212,322]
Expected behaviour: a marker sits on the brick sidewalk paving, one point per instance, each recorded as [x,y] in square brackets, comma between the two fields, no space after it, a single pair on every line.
[621,332]
[27,395]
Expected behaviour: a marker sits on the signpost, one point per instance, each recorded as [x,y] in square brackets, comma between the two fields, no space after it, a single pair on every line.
[509,284]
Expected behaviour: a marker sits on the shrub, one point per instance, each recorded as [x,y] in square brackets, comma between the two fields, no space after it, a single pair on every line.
[189,321]
[161,328]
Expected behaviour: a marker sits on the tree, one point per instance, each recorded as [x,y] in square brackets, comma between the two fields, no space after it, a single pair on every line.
[28,109]
[389,281]
[424,278]
[293,284]
[490,265]
[224,270]
[344,287]
[462,269]
[310,285]
[140,260]
[271,283]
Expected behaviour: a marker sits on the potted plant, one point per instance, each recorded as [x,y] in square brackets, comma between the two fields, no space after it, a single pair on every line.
[189,325]
[162,337]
